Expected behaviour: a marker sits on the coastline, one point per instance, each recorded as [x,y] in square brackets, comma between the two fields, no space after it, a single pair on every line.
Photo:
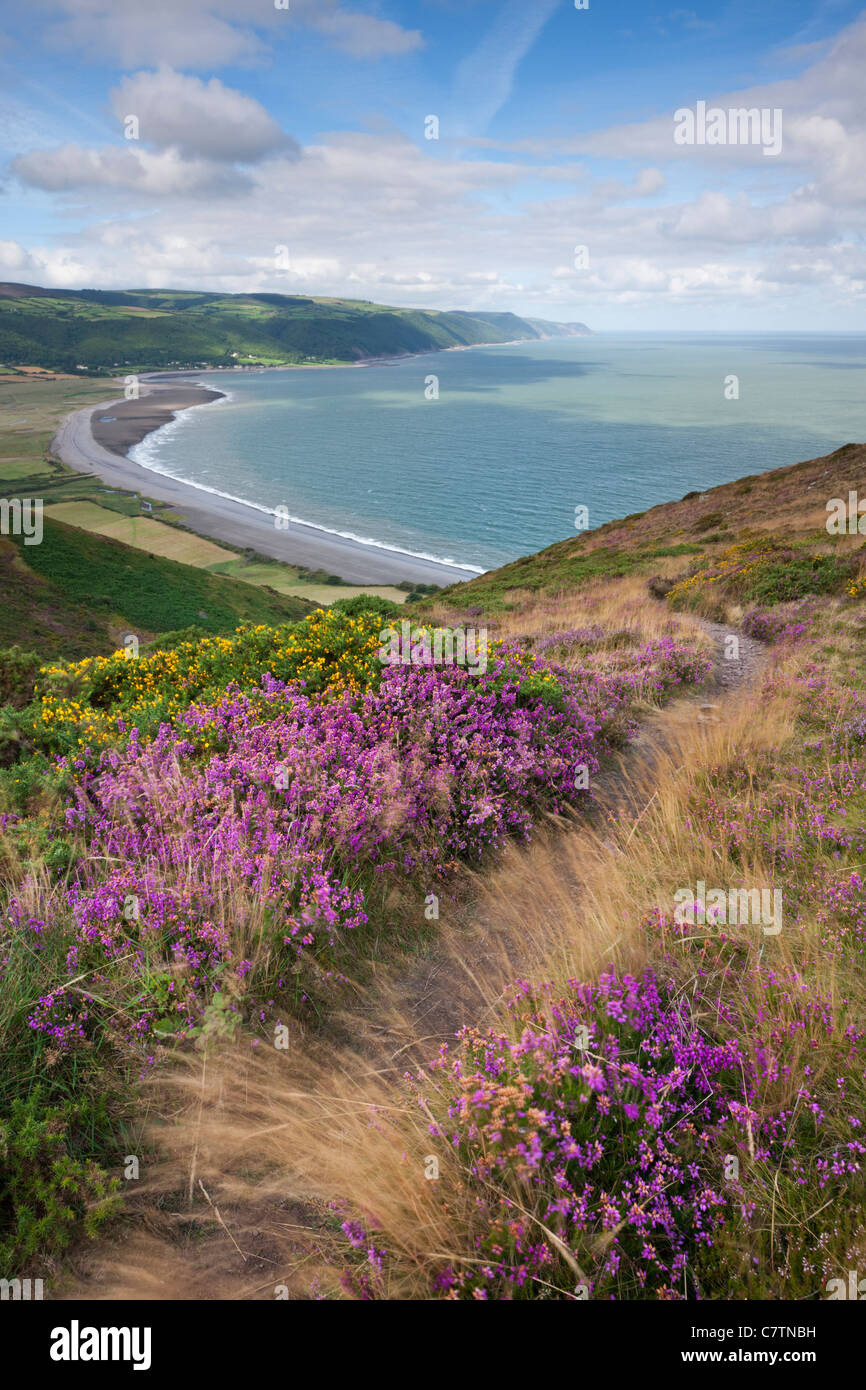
[386,361]
[89,444]
[126,423]
[134,420]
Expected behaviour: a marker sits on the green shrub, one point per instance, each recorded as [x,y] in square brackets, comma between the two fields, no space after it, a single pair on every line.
[795,576]
[365,603]
[708,520]
[48,1196]
[18,672]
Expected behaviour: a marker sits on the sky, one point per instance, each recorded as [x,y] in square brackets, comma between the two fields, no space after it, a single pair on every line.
[517,155]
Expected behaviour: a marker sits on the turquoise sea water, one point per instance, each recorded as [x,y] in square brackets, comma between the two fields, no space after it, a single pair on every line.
[519,436]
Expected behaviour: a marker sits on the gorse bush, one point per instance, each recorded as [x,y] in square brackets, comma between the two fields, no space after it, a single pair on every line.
[762,571]
[328,651]
[94,703]
[46,1193]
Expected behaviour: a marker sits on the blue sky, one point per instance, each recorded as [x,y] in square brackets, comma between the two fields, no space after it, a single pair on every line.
[303,128]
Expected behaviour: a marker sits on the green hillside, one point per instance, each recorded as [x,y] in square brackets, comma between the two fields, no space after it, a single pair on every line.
[77,593]
[102,331]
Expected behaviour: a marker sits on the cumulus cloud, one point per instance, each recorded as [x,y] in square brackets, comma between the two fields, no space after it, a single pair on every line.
[41,266]
[201,133]
[197,118]
[70,167]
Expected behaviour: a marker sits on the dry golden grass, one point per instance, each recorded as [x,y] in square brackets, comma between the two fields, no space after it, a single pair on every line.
[614,604]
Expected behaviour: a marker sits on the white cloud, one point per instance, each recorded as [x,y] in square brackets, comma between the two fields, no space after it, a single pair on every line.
[378,216]
[208,34]
[192,34]
[41,266]
[644,184]
[201,131]
[199,118]
[71,168]
[361,35]
[15,257]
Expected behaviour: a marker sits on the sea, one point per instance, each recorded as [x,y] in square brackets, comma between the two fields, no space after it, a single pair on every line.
[481,455]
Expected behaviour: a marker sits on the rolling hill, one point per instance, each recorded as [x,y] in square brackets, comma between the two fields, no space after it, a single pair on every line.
[77,593]
[103,331]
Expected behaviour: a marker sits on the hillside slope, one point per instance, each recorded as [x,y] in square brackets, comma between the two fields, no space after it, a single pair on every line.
[779,505]
[77,593]
[103,331]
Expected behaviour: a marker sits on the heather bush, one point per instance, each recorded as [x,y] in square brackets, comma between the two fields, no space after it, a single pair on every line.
[771,626]
[279,810]
[629,1123]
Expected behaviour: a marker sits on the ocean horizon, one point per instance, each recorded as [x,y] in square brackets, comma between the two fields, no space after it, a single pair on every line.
[478,456]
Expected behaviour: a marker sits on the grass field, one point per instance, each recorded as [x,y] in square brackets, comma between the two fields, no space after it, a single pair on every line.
[16,468]
[174,543]
[142,533]
[77,592]
[31,408]
[287,580]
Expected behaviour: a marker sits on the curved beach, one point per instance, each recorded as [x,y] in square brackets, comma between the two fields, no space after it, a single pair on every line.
[89,444]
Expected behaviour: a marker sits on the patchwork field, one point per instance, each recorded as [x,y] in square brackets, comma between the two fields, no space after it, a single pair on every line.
[143,533]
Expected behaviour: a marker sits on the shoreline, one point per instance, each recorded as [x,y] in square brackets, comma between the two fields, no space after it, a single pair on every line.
[87,444]
[128,422]
[387,361]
